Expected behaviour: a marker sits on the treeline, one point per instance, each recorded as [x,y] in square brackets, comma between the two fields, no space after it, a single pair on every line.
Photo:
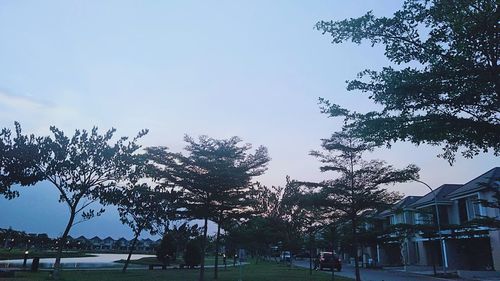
[212,180]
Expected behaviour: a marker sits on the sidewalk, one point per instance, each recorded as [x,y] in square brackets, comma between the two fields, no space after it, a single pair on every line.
[462,274]
[395,274]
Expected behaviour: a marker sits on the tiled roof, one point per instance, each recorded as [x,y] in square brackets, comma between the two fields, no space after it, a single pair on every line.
[441,192]
[96,238]
[490,178]
[401,204]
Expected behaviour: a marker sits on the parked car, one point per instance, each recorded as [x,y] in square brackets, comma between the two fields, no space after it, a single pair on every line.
[329,260]
[286,256]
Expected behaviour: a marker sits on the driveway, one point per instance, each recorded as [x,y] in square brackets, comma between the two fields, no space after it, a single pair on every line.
[375,275]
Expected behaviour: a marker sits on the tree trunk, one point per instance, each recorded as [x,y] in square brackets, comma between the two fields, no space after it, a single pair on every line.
[310,254]
[355,248]
[61,244]
[203,245]
[216,269]
[130,251]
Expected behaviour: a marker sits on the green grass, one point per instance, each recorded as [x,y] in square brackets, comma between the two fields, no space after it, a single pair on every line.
[263,271]
[19,254]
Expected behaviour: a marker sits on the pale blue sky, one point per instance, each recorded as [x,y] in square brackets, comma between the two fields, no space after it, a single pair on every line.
[248,68]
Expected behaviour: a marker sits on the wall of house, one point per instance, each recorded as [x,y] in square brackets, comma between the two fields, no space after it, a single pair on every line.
[495,234]
[453,213]
[413,252]
[495,248]
[422,254]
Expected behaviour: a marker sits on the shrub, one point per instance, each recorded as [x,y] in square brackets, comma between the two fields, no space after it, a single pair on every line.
[192,256]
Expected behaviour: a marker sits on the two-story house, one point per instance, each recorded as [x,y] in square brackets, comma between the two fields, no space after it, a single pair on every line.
[465,240]
[475,245]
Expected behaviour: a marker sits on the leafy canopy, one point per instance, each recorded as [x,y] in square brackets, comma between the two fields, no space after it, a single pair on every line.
[444,85]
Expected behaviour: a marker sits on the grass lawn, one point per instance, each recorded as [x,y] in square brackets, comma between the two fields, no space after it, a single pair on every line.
[264,271]
[19,254]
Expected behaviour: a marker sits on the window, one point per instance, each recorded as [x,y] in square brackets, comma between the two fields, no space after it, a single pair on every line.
[424,216]
[462,210]
[473,207]
[417,251]
[468,208]
[393,219]
[409,217]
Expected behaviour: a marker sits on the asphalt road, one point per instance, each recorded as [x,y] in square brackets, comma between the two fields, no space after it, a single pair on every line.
[375,275]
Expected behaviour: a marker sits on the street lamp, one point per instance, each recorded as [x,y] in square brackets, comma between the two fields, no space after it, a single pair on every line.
[25,258]
[437,222]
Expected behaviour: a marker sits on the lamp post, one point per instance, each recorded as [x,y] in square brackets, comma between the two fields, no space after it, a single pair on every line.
[438,223]
[25,258]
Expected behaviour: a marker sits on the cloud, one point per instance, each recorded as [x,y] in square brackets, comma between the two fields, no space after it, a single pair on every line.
[21,103]
[36,115]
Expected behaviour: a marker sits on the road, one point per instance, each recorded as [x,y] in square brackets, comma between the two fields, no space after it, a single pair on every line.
[375,274]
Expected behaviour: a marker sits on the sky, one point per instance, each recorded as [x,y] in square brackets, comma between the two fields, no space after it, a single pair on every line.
[253,69]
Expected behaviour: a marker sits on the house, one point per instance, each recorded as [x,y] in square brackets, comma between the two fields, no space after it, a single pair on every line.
[121,244]
[396,248]
[83,243]
[96,243]
[464,240]
[475,247]
[146,245]
[107,243]
[428,248]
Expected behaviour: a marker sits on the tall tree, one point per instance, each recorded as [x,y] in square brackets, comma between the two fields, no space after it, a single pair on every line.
[215,178]
[303,207]
[359,184]
[265,228]
[446,88]
[83,168]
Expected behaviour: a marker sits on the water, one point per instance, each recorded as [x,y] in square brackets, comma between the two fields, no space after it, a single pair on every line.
[97,261]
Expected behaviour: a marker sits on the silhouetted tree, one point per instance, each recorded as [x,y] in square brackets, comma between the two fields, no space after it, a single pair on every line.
[358,185]
[304,209]
[215,178]
[167,249]
[83,168]
[18,157]
[265,228]
[193,255]
[448,91]
[141,207]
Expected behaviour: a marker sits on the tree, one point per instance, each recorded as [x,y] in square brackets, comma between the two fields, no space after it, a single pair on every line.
[194,254]
[141,207]
[358,187]
[17,159]
[303,209]
[182,234]
[83,168]
[447,90]
[215,179]
[264,228]
[167,249]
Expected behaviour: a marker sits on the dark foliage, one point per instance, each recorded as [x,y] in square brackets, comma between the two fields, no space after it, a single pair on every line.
[193,254]
[446,88]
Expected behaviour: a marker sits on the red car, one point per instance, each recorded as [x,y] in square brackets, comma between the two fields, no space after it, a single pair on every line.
[329,260]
